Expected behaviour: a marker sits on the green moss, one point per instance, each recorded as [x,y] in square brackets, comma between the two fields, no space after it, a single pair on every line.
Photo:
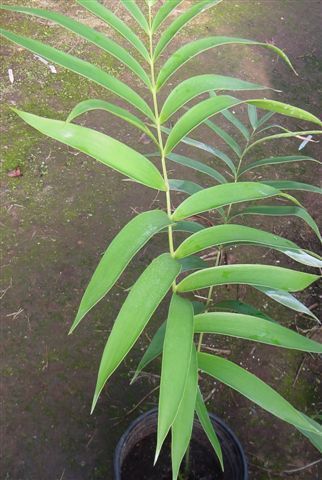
[40,91]
[7,371]
[312,61]
[16,144]
[25,25]
[236,14]
[303,393]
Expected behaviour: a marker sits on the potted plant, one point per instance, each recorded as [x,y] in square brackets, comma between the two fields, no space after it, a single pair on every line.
[170,273]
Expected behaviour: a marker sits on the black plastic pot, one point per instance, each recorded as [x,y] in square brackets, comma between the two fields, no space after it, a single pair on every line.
[145,426]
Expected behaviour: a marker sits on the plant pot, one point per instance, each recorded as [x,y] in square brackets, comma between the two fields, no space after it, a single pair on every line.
[134,454]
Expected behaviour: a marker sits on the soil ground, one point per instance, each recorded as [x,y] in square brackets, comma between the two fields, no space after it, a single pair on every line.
[58,218]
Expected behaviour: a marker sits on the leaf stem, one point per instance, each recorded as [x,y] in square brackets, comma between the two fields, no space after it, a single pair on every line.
[237,175]
[160,138]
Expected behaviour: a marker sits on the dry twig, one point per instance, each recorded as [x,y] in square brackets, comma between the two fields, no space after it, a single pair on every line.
[14,315]
[287,472]
[137,405]
[4,291]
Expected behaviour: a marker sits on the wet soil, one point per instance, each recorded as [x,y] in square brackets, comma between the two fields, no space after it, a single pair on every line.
[139,463]
[58,218]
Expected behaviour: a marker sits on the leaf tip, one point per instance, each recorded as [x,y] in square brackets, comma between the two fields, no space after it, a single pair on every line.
[157,453]
[135,376]
[75,324]
[95,398]
[221,461]
[15,110]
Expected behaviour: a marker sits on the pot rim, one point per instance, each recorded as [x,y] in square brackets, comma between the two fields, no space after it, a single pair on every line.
[134,423]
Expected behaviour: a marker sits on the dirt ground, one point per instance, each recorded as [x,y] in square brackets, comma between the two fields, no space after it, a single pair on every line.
[58,218]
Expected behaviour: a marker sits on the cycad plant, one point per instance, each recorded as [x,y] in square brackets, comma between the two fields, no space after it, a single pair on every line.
[182,356]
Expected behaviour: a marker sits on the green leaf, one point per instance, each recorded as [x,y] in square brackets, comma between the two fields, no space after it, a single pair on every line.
[281,211]
[213,105]
[276,161]
[286,299]
[153,351]
[88,105]
[192,263]
[117,24]
[207,425]
[240,234]
[278,127]
[164,11]
[195,116]
[118,255]
[315,438]
[222,195]
[253,388]
[93,36]
[291,185]
[187,226]
[136,13]
[139,306]
[252,115]
[270,127]
[261,121]
[198,307]
[231,118]
[241,307]
[282,135]
[285,109]
[255,329]
[252,274]
[103,148]
[183,423]
[228,139]
[176,356]
[304,256]
[185,186]
[83,68]
[206,148]
[198,166]
[181,22]
[195,86]
[190,50]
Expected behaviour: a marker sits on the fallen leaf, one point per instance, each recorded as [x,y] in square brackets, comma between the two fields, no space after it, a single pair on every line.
[305,142]
[16,172]
[52,68]
[10,75]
